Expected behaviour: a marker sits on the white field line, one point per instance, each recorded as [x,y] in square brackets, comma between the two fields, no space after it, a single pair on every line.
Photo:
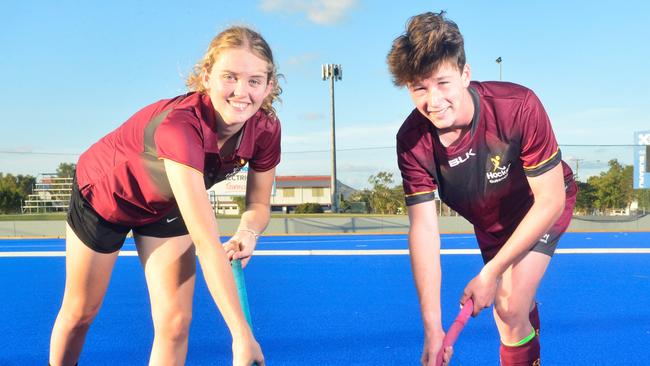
[133,253]
[404,239]
[62,245]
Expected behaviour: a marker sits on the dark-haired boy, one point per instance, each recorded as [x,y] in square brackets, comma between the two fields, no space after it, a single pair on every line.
[489,150]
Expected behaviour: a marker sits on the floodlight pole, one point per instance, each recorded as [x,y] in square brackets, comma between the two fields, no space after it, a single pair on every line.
[333,72]
[499,60]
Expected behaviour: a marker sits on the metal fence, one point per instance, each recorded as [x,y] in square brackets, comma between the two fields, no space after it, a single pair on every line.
[354,164]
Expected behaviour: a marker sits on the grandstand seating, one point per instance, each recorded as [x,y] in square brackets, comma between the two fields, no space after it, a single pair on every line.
[50,194]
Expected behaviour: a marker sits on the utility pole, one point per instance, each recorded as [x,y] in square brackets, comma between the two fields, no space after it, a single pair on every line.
[333,72]
[499,60]
[577,161]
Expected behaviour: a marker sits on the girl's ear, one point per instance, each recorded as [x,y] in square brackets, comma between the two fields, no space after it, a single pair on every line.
[269,88]
[205,80]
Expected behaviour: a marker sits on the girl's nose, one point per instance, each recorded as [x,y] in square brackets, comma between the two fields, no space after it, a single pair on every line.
[240,88]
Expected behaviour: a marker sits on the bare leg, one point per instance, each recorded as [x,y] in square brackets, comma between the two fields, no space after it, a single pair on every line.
[170,270]
[516,295]
[520,345]
[87,276]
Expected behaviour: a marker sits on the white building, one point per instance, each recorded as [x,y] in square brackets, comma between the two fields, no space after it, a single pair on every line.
[292,190]
[288,193]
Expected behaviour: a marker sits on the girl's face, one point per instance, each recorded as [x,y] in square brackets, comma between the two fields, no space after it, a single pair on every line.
[237,84]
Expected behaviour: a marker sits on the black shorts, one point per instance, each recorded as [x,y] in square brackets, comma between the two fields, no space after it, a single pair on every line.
[549,241]
[106,237]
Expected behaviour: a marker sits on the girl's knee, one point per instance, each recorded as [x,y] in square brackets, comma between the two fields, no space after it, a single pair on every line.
[174,326]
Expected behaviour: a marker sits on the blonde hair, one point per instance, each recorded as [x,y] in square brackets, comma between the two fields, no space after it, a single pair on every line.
[237,37]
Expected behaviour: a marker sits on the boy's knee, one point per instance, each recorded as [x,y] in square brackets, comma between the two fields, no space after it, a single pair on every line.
[508,313]
[79,316]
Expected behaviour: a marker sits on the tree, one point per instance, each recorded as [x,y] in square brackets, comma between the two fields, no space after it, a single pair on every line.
[613,188]
[14,190]
[585,201]
[10,200]
[344,205]
[25,184]
[66,170]
[383,198]
[642,197]
[361,196]
[397,193]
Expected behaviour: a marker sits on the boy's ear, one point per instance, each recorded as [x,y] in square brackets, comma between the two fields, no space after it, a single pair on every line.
[466,75]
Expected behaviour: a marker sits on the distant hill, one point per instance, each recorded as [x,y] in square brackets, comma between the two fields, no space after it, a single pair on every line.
[345,189]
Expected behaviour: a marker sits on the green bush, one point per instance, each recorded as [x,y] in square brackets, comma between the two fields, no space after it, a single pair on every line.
[309,208]
[10,200]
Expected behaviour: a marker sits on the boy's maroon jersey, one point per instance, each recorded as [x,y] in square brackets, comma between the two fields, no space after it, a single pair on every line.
[483,176]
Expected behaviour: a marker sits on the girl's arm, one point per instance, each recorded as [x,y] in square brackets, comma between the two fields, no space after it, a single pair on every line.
[189,190]
[255,218]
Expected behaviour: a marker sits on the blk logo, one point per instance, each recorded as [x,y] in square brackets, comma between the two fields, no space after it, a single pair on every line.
[461,159]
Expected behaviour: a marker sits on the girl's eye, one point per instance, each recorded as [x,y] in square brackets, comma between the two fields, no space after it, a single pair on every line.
[255,82]
[229,77]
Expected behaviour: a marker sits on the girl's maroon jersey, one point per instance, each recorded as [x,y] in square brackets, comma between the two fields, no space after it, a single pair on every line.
[483,177]
[123,176]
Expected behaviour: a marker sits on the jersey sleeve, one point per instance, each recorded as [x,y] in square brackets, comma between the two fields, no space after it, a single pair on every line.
[267,149]
[419,185]
[179,138]
[539,148]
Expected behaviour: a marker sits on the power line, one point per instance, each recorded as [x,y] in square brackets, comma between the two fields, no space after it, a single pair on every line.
[38,153]
[599,145]
[300,151]
[346,149]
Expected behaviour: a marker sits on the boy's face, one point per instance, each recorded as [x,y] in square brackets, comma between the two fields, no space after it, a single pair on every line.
[442,97]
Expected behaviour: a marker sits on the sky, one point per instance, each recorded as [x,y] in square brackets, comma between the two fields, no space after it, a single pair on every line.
[72,71]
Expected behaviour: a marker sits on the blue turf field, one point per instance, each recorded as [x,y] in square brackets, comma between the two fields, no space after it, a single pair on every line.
[343,309]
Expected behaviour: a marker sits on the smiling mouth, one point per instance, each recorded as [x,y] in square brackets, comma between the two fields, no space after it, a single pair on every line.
[438,112]
[238,105]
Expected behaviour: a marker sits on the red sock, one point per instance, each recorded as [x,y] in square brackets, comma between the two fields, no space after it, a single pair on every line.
[525,355]
[534,319]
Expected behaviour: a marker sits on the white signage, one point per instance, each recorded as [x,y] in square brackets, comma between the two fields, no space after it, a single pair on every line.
[234,185]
